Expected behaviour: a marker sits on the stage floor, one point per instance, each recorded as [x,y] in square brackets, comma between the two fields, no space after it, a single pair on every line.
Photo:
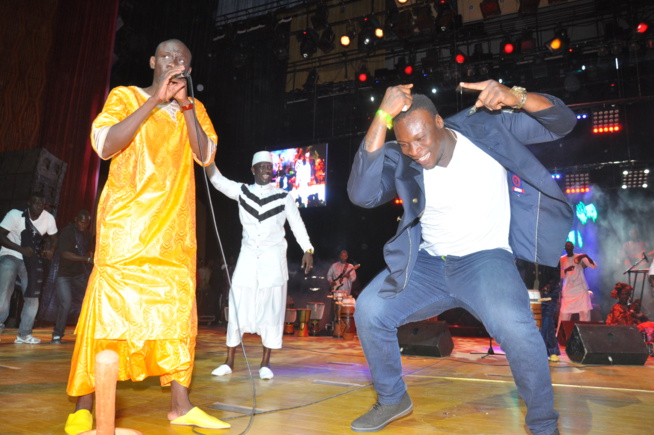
[321,384]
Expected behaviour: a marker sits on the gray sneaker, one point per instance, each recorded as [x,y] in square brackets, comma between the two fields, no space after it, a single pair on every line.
[380,415]
[28,339]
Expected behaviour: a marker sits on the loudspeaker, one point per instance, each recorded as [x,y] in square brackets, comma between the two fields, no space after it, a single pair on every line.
[607,344]
[565,331]
[425,339]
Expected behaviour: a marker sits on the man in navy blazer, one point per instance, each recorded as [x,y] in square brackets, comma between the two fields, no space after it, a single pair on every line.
[474,198]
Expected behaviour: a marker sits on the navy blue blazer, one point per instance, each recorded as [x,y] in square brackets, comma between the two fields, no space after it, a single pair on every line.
[541,216]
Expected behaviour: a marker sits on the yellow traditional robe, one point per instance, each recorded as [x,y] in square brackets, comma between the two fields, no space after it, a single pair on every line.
[140,300]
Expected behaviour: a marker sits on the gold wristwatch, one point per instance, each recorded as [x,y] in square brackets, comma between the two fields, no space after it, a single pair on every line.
[522,94]
[309,251]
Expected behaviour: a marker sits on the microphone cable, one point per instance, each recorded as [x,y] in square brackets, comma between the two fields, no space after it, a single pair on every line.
[198,131]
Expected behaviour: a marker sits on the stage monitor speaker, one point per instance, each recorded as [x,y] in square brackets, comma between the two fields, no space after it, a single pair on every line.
[425,339]
[565,331]
[607,344]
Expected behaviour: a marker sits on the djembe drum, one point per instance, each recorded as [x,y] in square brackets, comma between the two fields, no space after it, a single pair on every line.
[303,317]
[289,325]
[317,312]
[337,298]
[347,318]
[535,303]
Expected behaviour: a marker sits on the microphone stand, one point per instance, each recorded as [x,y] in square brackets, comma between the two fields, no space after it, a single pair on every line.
[631,272]
[489,352]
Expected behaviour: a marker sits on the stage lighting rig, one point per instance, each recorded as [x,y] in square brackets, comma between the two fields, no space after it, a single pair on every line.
[308,43]
[558,44]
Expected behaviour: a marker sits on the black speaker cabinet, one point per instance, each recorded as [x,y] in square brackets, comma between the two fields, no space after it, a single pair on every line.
[425,339]
[565,331]
[607,345]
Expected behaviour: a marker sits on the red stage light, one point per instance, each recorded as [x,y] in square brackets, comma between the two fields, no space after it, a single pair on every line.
[508,48]
[363,77]
[460,58]
[642,27]
[408,70]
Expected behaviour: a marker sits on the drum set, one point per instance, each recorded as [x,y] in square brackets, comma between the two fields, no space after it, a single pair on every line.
[304,322]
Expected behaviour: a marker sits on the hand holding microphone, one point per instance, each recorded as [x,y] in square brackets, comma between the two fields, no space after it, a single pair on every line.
[176,83]
[182,75]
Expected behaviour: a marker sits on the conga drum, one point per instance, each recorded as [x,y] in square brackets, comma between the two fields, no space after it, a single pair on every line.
[347,319]
[337,296]
[290,318]
[317,312]
[534,302]
[303,317]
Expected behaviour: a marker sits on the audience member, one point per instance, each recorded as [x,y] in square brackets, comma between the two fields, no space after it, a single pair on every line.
[23,235]
[75,260]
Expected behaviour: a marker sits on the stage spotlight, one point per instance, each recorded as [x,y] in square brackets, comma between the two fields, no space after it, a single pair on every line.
[402,1]
[408,70]
[448,19]
[559,43]
[366,40]
[490,8]
[363,76]
[308,43]
[460,58]
[642,28]
[370,28]
[326,42]
[348,36]
[507,48]
[404,68]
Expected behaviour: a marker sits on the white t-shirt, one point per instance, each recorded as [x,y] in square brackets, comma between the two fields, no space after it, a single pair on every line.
[14,222]
[467,204]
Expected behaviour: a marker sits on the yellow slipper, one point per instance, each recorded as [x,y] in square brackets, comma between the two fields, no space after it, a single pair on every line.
[199,418]
[79,422]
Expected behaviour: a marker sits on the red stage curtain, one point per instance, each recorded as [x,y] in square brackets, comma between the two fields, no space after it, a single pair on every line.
[76,88]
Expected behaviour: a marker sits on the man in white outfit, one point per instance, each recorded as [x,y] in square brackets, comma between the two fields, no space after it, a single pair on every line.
[257,302]
[575,296]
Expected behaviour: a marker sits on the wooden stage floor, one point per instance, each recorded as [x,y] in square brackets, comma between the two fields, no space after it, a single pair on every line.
[322,383]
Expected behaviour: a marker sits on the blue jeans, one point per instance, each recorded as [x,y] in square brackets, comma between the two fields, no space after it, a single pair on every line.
[488,285]
[548,327]
[10,268]
[67,287]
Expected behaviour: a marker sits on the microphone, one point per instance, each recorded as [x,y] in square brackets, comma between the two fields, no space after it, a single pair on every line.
[182,75]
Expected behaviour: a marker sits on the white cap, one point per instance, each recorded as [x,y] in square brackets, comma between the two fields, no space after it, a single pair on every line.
[261,156]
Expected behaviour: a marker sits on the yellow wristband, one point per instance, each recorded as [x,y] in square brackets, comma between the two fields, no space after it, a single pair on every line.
[386,117]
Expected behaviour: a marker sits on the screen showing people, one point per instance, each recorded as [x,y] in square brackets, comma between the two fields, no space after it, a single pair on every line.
[303,173]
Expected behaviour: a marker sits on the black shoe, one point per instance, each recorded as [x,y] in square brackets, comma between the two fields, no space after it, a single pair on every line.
[380,415]
[56,340]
